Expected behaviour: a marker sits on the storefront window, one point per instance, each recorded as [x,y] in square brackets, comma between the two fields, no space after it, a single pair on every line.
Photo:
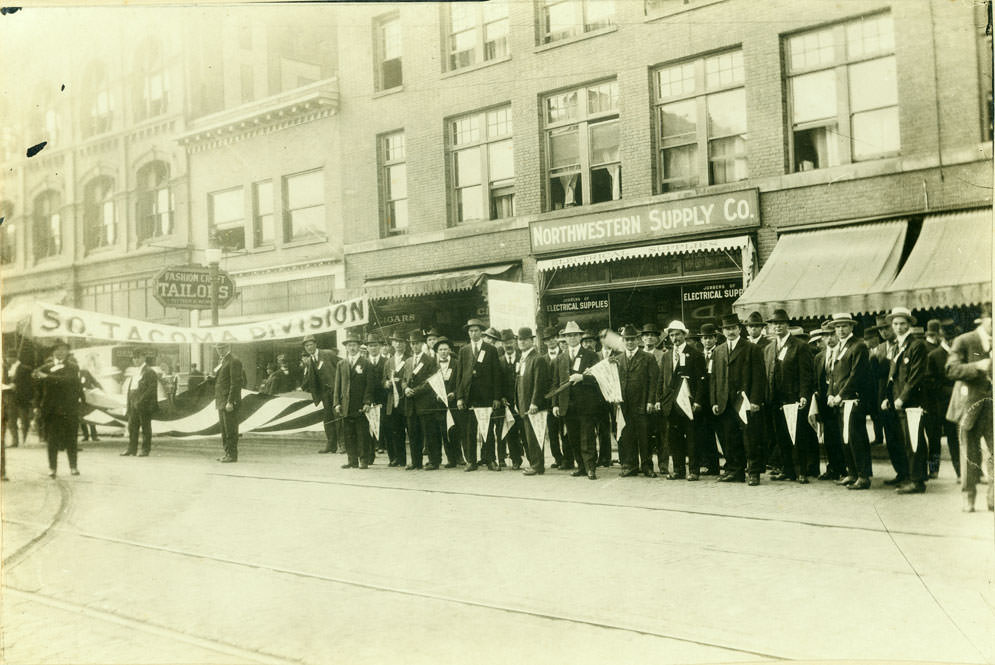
[843,93]
[483,165]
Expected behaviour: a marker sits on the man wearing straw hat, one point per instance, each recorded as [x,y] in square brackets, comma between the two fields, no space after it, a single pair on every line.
[683,365]
[789,384]
[850,390]
[577,403]
[353,396]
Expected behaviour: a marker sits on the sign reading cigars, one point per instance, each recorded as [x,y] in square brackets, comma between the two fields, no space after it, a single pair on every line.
[657,221]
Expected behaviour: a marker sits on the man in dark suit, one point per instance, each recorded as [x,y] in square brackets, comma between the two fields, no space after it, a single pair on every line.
[707,425]
[320,368]
[141,389]
[554,426]
[788,363]
[19,398]
[578,403]
[532,383]
[939,389]
[353,396]
[394,420]
[656,424]
[819,410]
[61,396]
[851,388]
[756,334]
[880,361]
[737,380]
[970,364]
[511,443]
[229,379]
[905,389]
[448,367]
[638,375]
[421,405]
[682,368]
[378,362]
[479,388]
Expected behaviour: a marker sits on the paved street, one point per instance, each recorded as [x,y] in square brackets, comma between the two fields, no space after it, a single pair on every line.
[285,557]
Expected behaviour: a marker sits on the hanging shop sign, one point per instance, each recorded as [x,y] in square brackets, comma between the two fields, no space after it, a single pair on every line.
[664,220]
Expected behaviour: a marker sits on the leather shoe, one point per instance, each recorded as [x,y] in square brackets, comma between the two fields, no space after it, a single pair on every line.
[675,476]
[911,488]
[828,476]
[650,473]
[692,476]
[348,466]
[896,481]
[731,478]
[779,476]
[431,467]
[143,454]
[554,465]
[754,480]
[532,472]
[449,465]
[846,481]
[803,480]
[127,453]
[364,465]
[470,467]
[326,450]
[227,459]
[592,475]
[517,466]
[411,467]
[394,463]
[578,473]
[710,472]
[566,467]
[491,466]
[628,473]
[74,472]
[861,484]
[968,505]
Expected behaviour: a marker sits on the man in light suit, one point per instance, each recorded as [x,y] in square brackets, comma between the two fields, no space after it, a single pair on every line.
[577,403]
[850,379]
[682,364]
[478,388]
[141,393]
[788,362]
[638,375]
[421,405]
[320,369]
[229,379]
[353,396]
[970,363]
[532,382]
[738,375]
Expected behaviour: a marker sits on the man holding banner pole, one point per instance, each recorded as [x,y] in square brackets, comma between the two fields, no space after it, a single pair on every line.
[789,385]
[532,382]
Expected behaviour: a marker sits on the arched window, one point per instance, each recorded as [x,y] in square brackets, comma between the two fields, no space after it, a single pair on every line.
[155,201]
[97,104]
[151,92]
[8,233]
[47,225]
[44,118]
[98,213]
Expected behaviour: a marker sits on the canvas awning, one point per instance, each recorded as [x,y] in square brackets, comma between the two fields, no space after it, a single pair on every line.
[738,243]
[432,283]
[951,263]
[816,273]
[17,309]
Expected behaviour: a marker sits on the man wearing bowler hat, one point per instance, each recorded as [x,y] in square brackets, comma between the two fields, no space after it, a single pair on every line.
[708,425]
[656,424]
[478,388]
[353,397]
[738,384]
[554,425]
[819,410]
[683,365]
[788,363]
[320,368]
[939,390]
[638,374]
[577,403]
[394,411]
[851,388]
[532,382]
[376,344]
[421,405]
[511,443]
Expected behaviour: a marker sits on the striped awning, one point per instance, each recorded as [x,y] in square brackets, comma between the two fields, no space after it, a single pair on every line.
[670,249]
[432,283]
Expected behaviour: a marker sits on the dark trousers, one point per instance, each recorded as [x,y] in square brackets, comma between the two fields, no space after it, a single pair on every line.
[772,450]
[582,442]
[470,437]
[15,415]
[489,446]
[680,436]
[229,431]
[918,459]
[533,447]
[60,434]
[554,429]
[393,433]
[896,442]
[510,445]
[858,450]
[832,438]
[936,427]
[88,430]
[971,450]
[139,419]
[741,445]
[452,438]
[356,432]
[795,456]
[604,426]
[432,425]
[330,421]
[416,438]
[656,431]
[634,443]
[706,424]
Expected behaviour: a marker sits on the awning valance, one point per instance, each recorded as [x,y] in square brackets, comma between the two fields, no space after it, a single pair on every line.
[951,263]
[17,309]
[714,245]
[816,273]
[430,283]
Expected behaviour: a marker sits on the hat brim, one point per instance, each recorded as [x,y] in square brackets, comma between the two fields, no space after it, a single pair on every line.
[847,321]
[908,317]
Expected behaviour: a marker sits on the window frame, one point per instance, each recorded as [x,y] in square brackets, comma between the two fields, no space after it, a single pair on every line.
[483,144]
[387,163]
[97,88]
[8,234]
[216,229]
[50,220]
[380,51]
[288,212]
[258,218]
[151,68]
[99,215]
[479,28]
[149,215]
[580,11]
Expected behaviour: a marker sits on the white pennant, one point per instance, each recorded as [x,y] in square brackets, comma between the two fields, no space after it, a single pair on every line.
[538,421]
[914,416]
[848,405]
[791,419]
[373,415]
[684,399]
[483,414]
[509,421]
[619,421]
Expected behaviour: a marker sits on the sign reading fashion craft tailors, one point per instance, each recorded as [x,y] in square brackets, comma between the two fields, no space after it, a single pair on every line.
[189,287]
[667,219]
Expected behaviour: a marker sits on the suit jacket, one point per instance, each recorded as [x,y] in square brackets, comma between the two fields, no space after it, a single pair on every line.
[378,368]
[532,381]
[939,388]
[479,376]
[735,372]
[23,392]
[639,377]
[61,392]
[583,396]
[415,376]
[820,374]
[354,386]
[507,373]
[788,379]
[228,382]
[851,375]
[671,376]
[973,390]
[325,371]
[907,374]
[143,391]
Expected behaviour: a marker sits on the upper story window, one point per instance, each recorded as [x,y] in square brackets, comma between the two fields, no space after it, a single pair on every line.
[304,206]
[98,111]
[45,123]
[155,201]
[226,216]
[262,213]
[562,19]
[843,93]
[388,53]
[151,93]
[582,146]
[47,225]
[393,183]
[8,234]
[478,32]
[701,122]
[482,160]
[98,213]
[664,7]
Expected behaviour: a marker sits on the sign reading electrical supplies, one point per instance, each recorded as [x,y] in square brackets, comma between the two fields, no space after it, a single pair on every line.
[58,321]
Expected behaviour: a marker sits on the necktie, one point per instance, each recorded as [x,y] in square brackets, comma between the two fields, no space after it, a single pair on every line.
[677,357]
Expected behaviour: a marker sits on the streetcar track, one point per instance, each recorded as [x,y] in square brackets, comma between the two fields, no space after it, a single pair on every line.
[601,504]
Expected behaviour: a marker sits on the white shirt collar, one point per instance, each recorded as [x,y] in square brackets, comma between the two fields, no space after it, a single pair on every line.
[781,341]
[680,349]
[527,352]
[842,342]
[900,339]
[732,344]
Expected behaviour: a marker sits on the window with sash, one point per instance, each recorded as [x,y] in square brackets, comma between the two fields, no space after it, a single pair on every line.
[393,183]
[98,213]
[563,19]
[304,206]
[47,225]
[155,202]
[477,32]
[482,165]
[226,216]
[390,72]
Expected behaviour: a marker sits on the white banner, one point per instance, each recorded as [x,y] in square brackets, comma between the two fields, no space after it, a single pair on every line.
[848,405]
[791,419]
[483,414]
[509,422]
[538,421]
[606,374]
[511,304]
[58,321]
[684,399]
[373,415]
[914,416]
[744,408]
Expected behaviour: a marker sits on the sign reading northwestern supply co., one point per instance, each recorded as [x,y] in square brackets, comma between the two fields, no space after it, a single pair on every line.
[189,287]
[657,221]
